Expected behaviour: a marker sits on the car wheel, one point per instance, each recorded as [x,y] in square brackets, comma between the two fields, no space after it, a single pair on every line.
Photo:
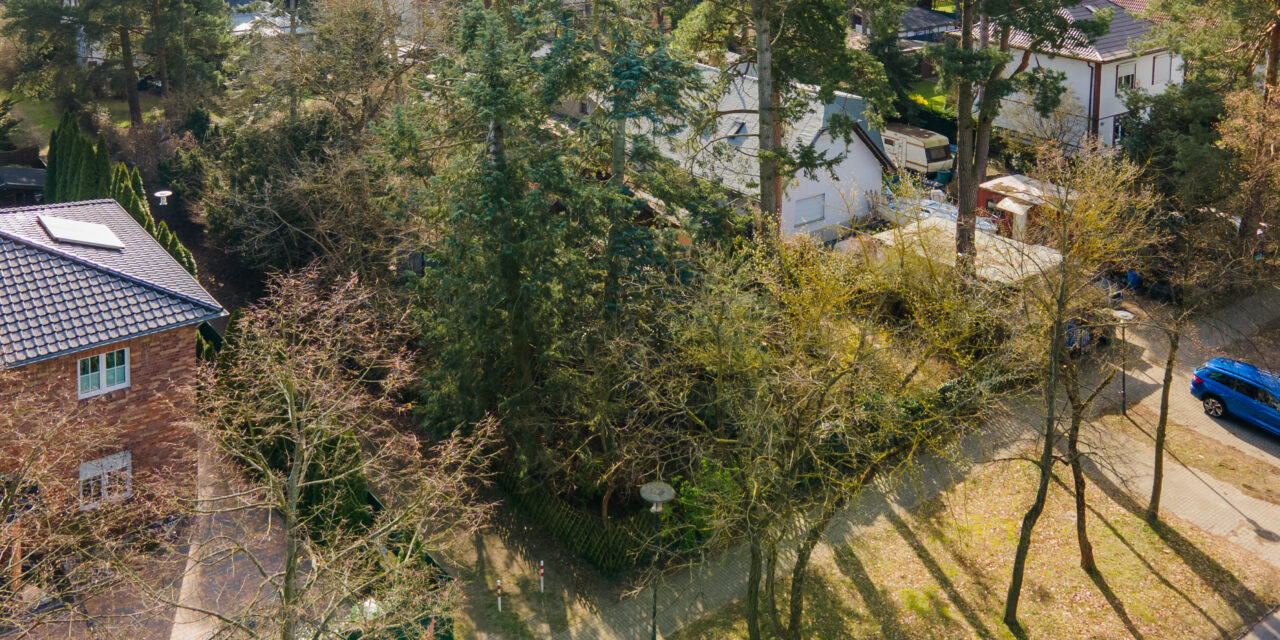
[1213,407]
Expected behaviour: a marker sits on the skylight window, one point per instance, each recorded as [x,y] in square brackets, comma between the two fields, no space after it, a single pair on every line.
[739,134]
[88,234]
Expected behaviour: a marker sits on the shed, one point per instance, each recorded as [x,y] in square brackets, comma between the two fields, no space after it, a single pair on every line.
[998,259]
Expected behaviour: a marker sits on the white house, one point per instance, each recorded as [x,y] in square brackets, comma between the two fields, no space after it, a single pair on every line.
[1096,74]
[821,204]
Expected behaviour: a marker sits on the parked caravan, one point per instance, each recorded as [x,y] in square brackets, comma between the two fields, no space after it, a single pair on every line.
[917,149]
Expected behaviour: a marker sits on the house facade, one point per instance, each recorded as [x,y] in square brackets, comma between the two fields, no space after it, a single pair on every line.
[822,204]
[98,322]
[1097,75]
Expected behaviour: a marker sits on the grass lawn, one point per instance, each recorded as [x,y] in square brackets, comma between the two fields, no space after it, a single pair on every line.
[942,570]
[928,91]
[40,118]
[945,7]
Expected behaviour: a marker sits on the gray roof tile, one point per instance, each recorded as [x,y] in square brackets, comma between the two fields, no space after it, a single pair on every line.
[1128,30]
[58,298]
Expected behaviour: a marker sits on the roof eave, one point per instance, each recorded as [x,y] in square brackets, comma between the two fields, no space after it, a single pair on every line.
[222,313]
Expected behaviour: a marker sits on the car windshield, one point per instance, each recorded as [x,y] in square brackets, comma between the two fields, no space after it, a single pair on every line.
[938,154]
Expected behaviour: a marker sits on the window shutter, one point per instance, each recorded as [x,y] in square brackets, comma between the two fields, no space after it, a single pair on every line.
[811,209]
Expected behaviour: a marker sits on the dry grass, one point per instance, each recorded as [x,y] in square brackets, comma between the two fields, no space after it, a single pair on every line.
[1255,478]
[941,572]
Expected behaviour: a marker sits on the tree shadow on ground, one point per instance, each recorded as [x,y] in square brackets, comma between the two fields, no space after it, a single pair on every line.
[937,573]
[1116,604]
[1239,597]
[880,606]
[1148,566]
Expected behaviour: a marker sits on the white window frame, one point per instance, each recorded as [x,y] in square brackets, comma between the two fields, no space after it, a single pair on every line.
[101,360]
[1126,70]
[98,475]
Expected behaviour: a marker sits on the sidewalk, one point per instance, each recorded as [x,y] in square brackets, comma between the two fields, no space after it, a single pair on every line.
[712,585]
[1211,505]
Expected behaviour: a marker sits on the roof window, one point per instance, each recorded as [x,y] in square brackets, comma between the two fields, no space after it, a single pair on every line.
[89,234]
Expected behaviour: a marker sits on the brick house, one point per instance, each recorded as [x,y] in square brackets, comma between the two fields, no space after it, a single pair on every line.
[98,318]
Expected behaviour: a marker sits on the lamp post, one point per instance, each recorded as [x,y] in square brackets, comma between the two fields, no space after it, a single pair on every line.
[1124,317]
[657,494]
[164,195]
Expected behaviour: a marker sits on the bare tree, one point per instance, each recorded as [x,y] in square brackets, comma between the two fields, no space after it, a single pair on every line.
[795,404]
[59,549]
[303,424]
[1094,216]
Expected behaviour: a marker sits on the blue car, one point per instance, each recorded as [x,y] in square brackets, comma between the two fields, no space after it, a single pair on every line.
[1227,386]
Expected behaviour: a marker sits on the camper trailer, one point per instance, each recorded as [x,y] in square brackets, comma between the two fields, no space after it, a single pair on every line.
[917,149]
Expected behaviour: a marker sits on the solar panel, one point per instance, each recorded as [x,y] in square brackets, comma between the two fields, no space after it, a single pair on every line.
[89,234]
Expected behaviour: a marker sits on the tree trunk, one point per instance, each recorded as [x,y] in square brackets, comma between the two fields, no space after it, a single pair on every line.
[1077,478]
[1271,84]
[130,76]
[292,531]
[162,52]
[803,553]
[770,588]
[1046,469]
[768,224]
[1157,474]
[753,590]
[618,155]
[965,161]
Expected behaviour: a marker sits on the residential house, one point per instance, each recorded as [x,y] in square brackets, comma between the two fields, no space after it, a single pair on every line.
[20,186]
[822,204]
[1097,74]
[917,25]
[98,318]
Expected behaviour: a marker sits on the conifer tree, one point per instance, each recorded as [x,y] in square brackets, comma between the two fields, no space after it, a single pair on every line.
[99,176]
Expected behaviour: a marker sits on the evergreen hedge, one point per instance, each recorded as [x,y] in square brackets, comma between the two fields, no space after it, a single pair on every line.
[79,170]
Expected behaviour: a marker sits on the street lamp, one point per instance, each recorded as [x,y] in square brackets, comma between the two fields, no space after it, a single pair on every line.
[1124,317]
[657,494]
[164,194]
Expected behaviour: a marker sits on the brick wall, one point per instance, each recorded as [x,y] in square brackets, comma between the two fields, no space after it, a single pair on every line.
[149,411]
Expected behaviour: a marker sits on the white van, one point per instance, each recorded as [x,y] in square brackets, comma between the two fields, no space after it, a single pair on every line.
[917,149]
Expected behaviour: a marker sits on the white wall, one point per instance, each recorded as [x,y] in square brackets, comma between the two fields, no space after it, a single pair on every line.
[858,173]
[1166,66]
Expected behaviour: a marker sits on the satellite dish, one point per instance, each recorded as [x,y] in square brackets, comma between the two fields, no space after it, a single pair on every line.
[164,194]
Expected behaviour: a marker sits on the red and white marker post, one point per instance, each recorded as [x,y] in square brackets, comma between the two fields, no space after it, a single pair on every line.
[499,596]
[542,574]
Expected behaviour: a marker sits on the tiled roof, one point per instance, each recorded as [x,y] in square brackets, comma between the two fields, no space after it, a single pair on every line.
[916,20]
[58,298]
[1128,28]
